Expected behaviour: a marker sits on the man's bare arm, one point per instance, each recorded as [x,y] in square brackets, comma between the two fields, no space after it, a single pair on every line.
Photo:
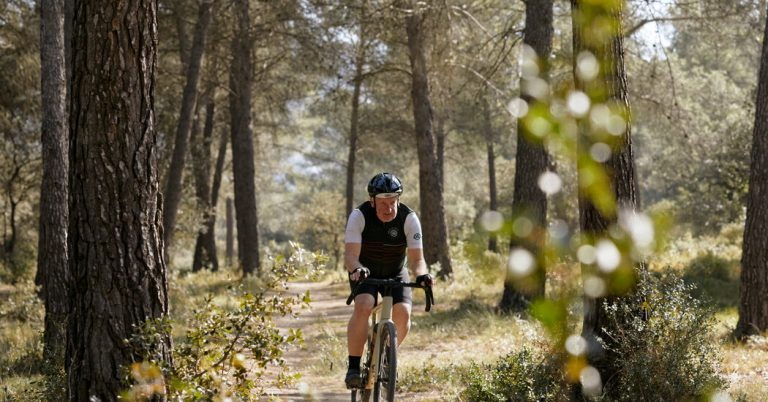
[352,259]
[416,262]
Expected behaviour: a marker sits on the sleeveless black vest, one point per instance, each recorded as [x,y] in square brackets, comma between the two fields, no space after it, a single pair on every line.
[384,245]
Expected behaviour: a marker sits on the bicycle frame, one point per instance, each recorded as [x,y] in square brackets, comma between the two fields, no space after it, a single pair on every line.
[385,311]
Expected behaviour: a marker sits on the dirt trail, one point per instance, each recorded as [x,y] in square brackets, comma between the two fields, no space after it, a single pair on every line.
[324,327]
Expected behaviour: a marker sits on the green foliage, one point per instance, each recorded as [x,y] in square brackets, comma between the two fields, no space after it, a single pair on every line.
[19,266]
[424,378]
[22,306]
[521,376]
[230,345]
[715,278]
[24,374]
[669,357]
[484,264]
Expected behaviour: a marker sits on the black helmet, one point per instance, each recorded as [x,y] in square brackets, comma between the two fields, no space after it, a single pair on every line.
[385,183]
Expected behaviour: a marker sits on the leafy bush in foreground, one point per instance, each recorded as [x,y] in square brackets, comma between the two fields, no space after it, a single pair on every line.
[521,376]
[230,347]
[672,355]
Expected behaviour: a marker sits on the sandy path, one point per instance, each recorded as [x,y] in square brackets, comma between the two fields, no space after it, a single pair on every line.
[321,361]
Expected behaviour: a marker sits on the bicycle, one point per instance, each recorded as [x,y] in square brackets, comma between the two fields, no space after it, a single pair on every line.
[379,371]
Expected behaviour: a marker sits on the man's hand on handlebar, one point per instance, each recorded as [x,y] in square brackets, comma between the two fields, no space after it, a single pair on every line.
[359,274]
[425,280]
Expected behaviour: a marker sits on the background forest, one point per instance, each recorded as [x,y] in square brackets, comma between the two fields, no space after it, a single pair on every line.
[328,100]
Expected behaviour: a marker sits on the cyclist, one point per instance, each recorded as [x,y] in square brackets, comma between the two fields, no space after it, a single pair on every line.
[380,234]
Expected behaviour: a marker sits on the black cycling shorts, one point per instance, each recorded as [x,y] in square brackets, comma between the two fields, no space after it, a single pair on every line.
[399,295]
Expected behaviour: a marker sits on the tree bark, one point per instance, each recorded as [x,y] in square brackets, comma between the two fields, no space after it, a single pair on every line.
[220,157]
[353,135]
[609,86]
[205,245]
[430,187]
[230,231]
[493,204]
[440,135]
[528,200]
[753,298]
[354,123]
[241,80]
[173,189]
[115,229]
[52,271]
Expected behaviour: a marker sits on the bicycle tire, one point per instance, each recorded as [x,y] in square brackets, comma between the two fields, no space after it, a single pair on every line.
[386,378]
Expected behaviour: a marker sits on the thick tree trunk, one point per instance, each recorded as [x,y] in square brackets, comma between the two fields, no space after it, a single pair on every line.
[528,200]
[52,271]
[115,229]
[230,231]
[609,86]
[241,80]
[172,193]
[753,298]
[430,187]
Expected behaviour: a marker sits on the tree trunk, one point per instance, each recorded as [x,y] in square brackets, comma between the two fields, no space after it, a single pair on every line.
[230,231]
[9,242]
[492,196]
[753,298]
[355,116]
[241,80]
[609,86]
[353,134]
[220,157]
[180,19]
[440,135]
[205,245]
[115,228]
[528,200]
[173,189]
[52,271]
[430,187]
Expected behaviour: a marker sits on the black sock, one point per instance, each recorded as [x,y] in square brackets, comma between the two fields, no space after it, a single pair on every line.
[354,361]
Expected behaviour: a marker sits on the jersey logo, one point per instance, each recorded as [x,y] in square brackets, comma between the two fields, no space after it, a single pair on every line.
[392,232]
[417,236]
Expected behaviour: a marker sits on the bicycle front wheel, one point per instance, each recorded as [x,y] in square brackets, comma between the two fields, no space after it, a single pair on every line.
[384,389]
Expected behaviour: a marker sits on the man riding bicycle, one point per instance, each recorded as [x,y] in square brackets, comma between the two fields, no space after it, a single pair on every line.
[380,233]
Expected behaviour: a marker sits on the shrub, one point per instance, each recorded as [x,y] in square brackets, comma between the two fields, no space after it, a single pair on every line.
[669,357]
[714,278]
[230,345]
[521,376]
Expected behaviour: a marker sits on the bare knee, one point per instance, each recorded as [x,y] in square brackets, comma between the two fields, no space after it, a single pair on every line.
[401,315]
[363,306]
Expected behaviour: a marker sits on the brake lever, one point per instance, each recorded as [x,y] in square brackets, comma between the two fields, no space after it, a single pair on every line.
[354,293]
[429,297]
